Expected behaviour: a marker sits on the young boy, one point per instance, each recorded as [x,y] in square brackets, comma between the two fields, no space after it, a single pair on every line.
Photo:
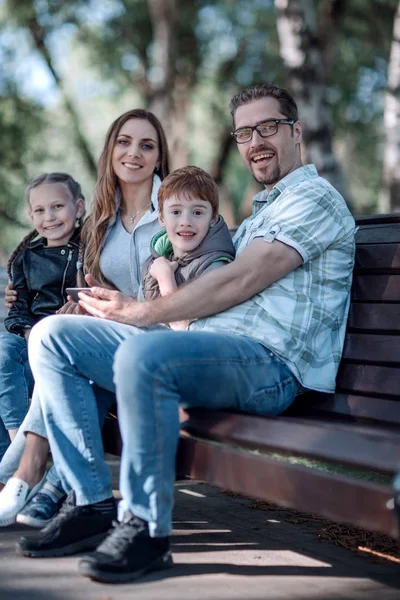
[195,239]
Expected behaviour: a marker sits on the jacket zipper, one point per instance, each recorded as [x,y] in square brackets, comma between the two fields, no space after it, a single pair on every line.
[69,258]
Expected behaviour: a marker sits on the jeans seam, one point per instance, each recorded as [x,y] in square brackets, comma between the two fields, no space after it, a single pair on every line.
[87,432]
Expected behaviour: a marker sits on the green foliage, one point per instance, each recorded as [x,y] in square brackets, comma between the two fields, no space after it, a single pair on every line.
[20,122]
[221,46]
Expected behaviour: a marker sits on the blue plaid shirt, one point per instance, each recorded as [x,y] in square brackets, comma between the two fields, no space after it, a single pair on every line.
[302,317]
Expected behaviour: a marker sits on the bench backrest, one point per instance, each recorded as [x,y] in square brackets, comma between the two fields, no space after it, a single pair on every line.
[368,382]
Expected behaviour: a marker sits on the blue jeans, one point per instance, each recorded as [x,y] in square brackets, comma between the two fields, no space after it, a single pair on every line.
[16,385]
[34,423]
[152,374]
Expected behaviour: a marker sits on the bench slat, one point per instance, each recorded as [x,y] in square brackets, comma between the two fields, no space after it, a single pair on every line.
[386,233]
[377,257]
[373,349]
[382,411]
[368,380]
[374,317]
[376,288]
[333,496]
[362,448]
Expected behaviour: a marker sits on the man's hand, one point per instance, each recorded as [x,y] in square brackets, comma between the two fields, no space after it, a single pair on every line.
[108,304]
[10,296]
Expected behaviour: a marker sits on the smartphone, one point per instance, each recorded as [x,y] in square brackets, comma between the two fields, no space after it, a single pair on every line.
[73,292]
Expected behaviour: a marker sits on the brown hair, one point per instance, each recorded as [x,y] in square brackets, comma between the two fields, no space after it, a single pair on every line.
[287,104]
[189,182]
[75,191]
[104,207]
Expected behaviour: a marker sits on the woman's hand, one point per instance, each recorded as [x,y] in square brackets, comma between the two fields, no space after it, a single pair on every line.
[71,308]
[10,296]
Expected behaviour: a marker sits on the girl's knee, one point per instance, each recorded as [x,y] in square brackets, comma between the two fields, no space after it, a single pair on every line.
[13,348]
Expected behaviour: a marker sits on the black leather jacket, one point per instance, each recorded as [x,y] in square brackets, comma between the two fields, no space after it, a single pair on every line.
[40,275]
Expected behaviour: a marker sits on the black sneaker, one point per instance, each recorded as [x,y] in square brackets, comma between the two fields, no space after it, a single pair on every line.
[74,529]
[127,553]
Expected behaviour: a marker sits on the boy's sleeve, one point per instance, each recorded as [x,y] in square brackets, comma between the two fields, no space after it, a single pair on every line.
[309,222]
[19,316]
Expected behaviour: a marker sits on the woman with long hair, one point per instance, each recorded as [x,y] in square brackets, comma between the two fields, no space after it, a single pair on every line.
[115,244]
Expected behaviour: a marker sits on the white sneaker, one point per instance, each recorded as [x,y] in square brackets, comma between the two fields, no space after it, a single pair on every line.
[13,498]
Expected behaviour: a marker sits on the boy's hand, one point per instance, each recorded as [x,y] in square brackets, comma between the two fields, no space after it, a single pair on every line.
[10,296]
[163,269]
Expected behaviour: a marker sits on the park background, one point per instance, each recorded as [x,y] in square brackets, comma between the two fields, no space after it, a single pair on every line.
[70,67]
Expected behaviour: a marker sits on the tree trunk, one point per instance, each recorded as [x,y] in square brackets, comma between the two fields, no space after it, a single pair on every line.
[38,34]
[300,50]
[390,201]
[162,13]
[167,92]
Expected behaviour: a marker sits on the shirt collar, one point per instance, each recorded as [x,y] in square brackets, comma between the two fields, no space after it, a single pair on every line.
[296,176]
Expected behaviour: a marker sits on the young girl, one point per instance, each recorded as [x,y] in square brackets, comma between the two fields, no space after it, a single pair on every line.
[40,270]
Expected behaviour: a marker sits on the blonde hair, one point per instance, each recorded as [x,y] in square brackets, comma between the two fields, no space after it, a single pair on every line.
[104,207]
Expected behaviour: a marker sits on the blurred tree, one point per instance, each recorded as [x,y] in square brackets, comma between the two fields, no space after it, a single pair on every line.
[391,165]
[41,19]
[20,122]
[302,55]
[185,58]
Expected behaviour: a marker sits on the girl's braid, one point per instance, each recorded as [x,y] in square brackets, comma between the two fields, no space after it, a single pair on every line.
[24,244]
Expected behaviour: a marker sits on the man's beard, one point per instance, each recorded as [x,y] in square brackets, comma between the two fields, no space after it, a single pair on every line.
[264,180]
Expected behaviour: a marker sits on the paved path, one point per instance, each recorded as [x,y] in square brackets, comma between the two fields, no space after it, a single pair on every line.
[223,550]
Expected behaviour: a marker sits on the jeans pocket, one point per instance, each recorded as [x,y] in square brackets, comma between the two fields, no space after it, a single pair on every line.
[272,400]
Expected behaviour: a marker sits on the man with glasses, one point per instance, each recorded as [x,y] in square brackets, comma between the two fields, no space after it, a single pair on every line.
[268,325]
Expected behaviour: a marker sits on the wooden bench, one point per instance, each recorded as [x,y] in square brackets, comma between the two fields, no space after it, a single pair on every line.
[357,428]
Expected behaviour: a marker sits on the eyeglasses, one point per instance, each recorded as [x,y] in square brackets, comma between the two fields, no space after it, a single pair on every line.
[264,129]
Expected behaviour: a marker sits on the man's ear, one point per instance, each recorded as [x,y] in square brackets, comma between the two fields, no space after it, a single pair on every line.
[214,220]
[298,132]
[161,219]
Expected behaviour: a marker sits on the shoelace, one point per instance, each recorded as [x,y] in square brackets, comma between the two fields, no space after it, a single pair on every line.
[122,536]
[65,510]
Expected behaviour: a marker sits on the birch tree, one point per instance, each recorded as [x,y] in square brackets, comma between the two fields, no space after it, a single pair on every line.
[300,49]
[390,201]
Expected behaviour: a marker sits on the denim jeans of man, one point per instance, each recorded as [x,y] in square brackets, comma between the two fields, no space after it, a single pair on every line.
[153,374]
[34,423]
[16,385]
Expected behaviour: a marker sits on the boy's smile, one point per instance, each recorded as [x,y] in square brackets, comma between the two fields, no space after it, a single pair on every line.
[187,221]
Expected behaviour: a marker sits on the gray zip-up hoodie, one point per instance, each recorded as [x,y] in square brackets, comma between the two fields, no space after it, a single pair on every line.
[216,246]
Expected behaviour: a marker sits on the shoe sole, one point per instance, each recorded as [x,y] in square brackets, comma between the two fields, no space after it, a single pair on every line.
[6,522]
[80,546]
[31,521]
[91,571]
